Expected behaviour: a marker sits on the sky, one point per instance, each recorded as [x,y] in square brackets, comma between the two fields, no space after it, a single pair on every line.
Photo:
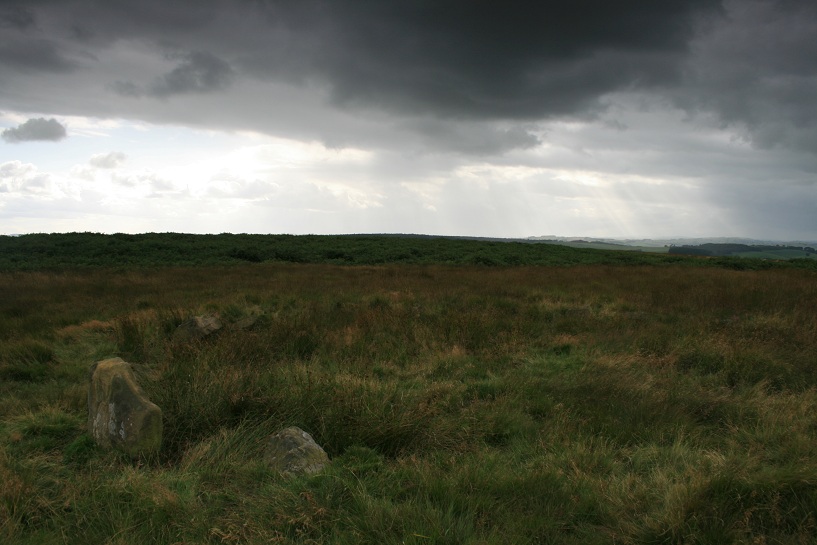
[626,119]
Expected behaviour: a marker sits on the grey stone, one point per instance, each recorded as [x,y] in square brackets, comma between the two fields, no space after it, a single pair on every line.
[197,328]
[120,415]
[292,451]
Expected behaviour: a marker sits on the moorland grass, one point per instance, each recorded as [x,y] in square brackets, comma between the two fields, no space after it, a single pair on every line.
[588,404]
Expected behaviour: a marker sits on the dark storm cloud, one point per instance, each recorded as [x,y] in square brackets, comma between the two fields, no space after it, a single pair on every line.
[101,23]
[482,59]
[419,64]
[758,72]
[456,58]
[36,129]
[16,17]
[33,55]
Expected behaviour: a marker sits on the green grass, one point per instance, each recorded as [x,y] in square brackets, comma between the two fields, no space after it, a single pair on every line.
[459,404]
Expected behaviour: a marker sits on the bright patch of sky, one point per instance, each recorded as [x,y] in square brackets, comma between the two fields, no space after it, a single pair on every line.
[125,176]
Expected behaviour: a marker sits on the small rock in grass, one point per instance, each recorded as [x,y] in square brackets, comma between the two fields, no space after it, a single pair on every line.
[292,451]
[197,328]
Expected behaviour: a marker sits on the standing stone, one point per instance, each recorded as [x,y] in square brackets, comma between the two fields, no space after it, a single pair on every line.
[293,452]
[197,328]
[120,416]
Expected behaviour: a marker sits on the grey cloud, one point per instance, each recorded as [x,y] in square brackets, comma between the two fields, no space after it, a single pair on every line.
[36,129]
[452,75]
[16,17]
[127,89]
[766,212]
[198,72]
[758,72]
[467,59]
[457,59]
[169,23]
[108,160]
[33,55]
[472,138]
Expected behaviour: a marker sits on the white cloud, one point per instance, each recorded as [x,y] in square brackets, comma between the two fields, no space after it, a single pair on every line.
[83,172]
[142,183]
[109,160]
[18,177]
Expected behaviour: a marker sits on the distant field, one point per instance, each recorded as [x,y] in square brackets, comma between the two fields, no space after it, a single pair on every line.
[460,404]
[745,251]
[59,251]
[609,246]
[778,254]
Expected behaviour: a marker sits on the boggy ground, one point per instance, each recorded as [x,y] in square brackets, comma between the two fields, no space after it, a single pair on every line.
[589,404]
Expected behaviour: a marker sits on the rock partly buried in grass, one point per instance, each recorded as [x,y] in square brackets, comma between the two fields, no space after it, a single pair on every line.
[249,319]
[292,451]
[197,328]
[120,415]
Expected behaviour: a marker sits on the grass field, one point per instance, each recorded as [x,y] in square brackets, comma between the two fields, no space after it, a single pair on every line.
[460,404]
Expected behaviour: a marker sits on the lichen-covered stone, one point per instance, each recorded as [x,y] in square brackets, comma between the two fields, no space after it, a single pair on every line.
[120,415]
[197,328]
[292,451]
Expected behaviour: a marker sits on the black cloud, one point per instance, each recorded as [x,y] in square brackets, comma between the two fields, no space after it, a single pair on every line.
[36,129]
[477,58]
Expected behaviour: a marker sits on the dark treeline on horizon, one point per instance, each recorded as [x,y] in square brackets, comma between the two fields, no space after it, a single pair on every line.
[717,249]
[68,250]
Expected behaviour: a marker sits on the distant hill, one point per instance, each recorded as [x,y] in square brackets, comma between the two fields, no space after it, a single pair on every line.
[747,250]
[712,247]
